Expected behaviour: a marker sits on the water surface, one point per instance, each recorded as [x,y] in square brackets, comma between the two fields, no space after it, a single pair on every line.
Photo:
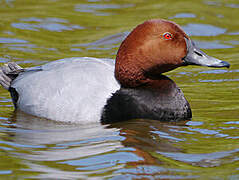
[36,32]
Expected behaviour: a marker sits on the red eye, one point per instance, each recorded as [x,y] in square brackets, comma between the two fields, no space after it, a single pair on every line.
[167,36]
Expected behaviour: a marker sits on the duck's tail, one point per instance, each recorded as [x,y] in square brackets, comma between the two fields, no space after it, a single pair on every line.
[8,72]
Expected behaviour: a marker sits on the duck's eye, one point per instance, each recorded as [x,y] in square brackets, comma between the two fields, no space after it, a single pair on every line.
[167,36]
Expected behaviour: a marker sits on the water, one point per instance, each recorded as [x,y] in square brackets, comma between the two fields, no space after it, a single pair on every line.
[36,32]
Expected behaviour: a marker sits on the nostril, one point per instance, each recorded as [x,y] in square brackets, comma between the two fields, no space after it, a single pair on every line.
[198,53]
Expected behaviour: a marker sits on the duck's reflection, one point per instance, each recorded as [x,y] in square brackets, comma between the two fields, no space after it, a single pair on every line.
[148,136]
[77,150]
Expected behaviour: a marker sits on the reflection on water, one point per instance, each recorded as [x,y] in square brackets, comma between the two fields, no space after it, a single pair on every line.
[106,43]
[212,45]
[137,148]
[97,9]
[204,148]
[183,15]
[50,24]
[203,30]
[11,40]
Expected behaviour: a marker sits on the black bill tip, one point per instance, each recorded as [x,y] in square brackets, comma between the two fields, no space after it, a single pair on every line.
[221,64]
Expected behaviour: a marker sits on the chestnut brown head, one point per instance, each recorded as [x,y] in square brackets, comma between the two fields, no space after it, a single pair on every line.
[154,47]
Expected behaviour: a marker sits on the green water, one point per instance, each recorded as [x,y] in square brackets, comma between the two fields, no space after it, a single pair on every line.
[35,32]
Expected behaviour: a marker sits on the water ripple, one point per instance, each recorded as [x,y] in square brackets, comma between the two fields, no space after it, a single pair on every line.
[167,136]
[183,15]
[218,80]
[203,30]
[212,45]
[203,160]
[96,8]
[50,24]
[12,40]
[103,161]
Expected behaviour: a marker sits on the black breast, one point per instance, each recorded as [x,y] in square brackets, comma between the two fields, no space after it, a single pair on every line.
[165,104]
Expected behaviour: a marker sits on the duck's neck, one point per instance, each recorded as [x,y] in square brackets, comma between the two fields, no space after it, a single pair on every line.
[129,77]
[162,84]
[132,77]
[129,71]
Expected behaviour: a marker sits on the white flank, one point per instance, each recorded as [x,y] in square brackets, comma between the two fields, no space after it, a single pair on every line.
[69,90]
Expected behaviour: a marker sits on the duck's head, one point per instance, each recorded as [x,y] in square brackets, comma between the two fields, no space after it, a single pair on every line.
[155,47]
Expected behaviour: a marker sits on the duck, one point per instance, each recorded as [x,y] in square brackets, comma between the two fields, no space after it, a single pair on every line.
[133,86]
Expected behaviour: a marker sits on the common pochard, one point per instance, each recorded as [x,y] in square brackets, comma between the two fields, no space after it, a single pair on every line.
[89,89]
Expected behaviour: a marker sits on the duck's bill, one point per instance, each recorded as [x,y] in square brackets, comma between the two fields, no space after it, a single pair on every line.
[197,57]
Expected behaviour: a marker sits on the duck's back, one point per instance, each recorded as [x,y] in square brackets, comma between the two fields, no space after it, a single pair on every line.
[73,90]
